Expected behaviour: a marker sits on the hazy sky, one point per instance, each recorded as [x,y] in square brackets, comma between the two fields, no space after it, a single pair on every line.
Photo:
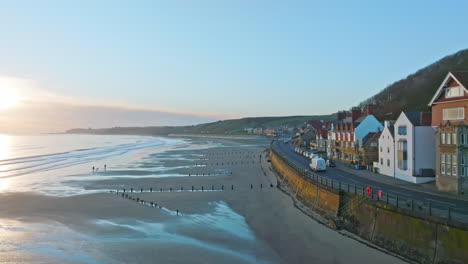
[208,60]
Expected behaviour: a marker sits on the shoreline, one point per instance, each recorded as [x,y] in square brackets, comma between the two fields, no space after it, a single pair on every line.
[281,231]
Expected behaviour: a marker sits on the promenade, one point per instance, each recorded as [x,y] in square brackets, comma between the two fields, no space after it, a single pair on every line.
[440,204]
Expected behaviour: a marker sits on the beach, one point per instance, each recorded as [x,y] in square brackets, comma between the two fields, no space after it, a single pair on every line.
[235,214]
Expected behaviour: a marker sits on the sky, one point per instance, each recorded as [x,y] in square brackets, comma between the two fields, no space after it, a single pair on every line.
[130,63]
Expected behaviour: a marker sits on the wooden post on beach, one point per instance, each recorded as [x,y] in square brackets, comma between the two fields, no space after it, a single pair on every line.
[131,189]
[181,189]
[232,187]
[261,186]
[177,211]
[151,189]
[170,189]
[222,187]
[192,188]
[212,187]
[141,189]
[202,189]
[251,186]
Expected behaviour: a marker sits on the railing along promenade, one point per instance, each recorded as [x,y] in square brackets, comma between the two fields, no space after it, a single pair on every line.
[379,196]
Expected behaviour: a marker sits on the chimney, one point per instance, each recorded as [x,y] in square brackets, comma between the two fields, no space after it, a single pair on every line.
[387,123]
[369,109]
[355,113]
[426,118]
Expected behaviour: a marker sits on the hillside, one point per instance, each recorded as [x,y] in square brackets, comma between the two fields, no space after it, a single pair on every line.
[233,126]
[415,91]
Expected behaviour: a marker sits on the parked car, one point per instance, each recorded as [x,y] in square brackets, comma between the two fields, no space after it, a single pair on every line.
[331,163]
[318,164]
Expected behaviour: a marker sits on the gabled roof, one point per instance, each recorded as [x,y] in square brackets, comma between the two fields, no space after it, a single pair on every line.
[415,118]
[391,128]
[370,136]
[359,120]
[459,76]
[316,124]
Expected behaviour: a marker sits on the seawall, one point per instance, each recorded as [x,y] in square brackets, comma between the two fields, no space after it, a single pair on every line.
[423,239]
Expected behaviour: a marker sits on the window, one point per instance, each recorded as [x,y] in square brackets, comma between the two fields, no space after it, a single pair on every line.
[462,138]
[442,163]
[380,148]
[448,164]
[388,162]
[442,138]
[454,170]
[388,149]
[402,145]
[381,161]
[448,138]
[373,144]
[456,113]
[453,91]
[402,155]
[463,166]
[454,138]
[402,130]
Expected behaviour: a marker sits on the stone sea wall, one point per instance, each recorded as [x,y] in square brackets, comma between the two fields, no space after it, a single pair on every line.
[416,237]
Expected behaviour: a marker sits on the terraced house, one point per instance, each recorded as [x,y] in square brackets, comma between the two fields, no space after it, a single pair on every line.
[349,136]
[450,118]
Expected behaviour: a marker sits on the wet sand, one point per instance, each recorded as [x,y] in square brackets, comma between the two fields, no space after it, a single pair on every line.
[265,227]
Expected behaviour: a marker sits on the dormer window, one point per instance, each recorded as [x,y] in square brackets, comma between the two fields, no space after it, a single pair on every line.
[453,91]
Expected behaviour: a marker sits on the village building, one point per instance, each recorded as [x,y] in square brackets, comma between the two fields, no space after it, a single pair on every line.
[450,120]
[414,147]
[386,160]
[368,148]
[320,128]
[349,131]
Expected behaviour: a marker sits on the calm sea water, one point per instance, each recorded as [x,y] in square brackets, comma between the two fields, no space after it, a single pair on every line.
[46,163]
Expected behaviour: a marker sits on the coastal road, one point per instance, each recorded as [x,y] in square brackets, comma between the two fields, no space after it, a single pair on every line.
[436,201]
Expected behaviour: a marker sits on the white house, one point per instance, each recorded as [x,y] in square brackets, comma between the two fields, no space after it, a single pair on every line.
[414,147]
[386,162]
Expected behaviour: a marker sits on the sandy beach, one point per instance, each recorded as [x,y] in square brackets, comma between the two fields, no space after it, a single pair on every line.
[239,217]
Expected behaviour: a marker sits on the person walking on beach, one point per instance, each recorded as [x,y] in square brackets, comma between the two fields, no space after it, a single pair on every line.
[105,167]
[93,168]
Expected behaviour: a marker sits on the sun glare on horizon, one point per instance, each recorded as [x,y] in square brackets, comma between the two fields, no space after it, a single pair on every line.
[8,97]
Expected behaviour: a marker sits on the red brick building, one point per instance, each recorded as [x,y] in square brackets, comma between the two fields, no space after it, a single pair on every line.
[450,117]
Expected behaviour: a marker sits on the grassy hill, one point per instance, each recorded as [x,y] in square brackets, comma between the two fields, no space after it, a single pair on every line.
[415,91]
[233,126]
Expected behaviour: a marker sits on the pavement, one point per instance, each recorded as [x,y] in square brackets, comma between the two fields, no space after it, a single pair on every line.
[404,190]
[422,187]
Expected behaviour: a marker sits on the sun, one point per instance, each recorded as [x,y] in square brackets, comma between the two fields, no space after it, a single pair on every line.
[8,97]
